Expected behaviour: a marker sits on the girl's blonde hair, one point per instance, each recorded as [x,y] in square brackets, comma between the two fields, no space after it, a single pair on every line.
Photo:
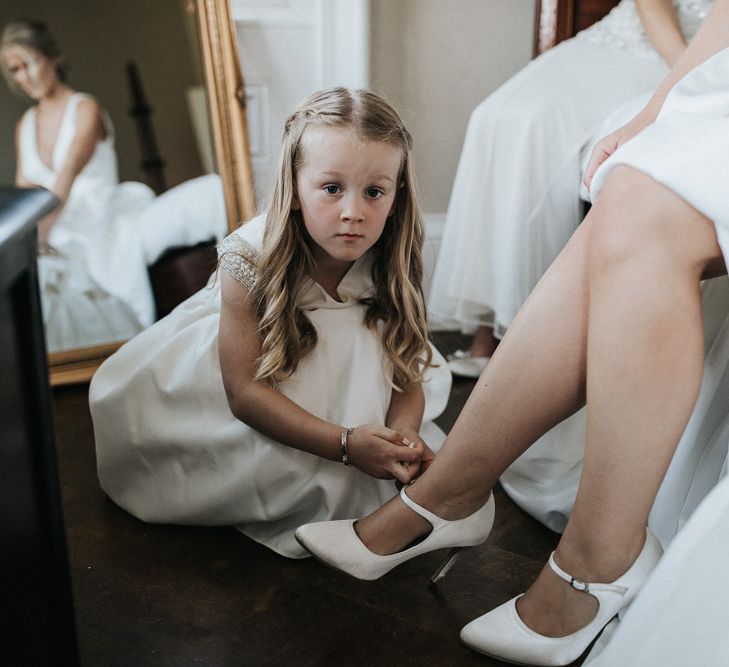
[286,259]
[32,37]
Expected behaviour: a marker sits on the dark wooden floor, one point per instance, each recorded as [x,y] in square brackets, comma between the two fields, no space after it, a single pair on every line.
[171,595]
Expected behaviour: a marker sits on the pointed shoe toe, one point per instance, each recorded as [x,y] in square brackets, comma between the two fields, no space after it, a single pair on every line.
[502,634]
[337,544]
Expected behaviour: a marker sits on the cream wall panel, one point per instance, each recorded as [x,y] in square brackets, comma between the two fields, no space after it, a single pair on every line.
[435,60]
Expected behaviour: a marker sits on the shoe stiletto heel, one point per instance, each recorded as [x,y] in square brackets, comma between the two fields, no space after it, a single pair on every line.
[446,565]
[502,634]
[336,543]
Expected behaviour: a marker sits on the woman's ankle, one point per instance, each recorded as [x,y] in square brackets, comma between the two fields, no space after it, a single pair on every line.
[451,506]
[484,342]
[552,608]
[391,528]
[598,559]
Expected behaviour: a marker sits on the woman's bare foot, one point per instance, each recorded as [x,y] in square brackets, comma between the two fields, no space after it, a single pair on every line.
[553,608]
[394,526]
[391,528]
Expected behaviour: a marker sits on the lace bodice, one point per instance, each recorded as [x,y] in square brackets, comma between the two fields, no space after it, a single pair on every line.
[622,28]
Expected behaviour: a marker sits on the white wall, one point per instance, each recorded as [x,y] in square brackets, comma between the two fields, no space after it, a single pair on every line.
[289,49]
[435,60]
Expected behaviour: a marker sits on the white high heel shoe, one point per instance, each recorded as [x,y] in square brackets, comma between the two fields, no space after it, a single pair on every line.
[502,634]
[336,543]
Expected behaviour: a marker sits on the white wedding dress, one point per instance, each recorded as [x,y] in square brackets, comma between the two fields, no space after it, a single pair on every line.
[94,282]
[169,450]
[515,200]
[681,616]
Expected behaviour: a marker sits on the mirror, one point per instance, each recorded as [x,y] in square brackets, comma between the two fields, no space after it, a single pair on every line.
[194,125]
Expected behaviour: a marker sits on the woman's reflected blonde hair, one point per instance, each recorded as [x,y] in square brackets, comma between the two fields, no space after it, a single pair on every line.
[34,38]
[396,310]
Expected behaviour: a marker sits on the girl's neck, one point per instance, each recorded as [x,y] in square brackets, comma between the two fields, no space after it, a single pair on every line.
[329,274]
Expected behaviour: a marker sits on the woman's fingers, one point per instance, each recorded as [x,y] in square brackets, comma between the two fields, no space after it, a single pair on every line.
[602,151]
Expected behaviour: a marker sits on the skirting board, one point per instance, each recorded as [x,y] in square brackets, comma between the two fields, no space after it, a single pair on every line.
[434,225]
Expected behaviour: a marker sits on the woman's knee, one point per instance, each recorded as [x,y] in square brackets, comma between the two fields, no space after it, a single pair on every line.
[637,217]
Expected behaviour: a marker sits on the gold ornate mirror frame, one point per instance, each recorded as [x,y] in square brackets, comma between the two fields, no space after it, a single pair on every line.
[227,111]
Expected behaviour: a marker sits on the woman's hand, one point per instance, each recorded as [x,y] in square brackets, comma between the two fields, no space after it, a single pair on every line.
[387,454]
[609,144]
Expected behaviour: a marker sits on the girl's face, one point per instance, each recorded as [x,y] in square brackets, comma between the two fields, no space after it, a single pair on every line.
[346,190]
[34,73]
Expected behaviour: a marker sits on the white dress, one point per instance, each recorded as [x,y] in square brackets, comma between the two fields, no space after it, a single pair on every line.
[681,616]
[515,199]
[94,284]
[169,449]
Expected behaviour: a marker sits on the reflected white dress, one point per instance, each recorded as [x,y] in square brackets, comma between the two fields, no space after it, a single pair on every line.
[515,199]
[681,617]
[169,449]
[94,283]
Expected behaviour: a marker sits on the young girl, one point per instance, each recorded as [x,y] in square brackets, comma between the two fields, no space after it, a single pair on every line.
[293,387]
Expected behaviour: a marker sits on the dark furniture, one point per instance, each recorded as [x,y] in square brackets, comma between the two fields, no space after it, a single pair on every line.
[37,611]
[181,271]
[557,20]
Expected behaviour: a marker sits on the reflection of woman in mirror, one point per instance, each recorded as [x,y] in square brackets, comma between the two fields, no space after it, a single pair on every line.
[315,332]
[516,195]
[95,247]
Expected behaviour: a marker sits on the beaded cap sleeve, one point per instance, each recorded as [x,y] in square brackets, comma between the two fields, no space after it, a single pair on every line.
[240,259]
[239,252]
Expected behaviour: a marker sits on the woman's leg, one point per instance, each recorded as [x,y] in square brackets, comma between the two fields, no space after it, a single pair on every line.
[540,363]
[484,342]
[645,365]
[649,249]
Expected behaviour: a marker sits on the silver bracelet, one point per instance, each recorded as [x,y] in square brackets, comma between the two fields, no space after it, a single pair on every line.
[343,442]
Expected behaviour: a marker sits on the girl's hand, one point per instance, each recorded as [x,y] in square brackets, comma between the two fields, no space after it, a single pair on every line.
[411,435]
[386,454]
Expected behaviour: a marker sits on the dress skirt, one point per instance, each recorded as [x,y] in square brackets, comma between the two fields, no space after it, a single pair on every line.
[516,195]
[169,450]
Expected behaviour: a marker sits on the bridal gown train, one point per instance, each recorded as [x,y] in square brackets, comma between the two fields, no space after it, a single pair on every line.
[170,451]
[93,280]
[515,199]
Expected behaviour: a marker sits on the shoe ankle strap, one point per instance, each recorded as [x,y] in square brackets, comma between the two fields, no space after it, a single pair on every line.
[584,586]
[431,518]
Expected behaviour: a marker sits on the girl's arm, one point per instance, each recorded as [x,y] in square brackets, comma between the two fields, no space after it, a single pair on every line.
[89,130]
[660,22]
[712,37]
[376,450]
[406,408]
